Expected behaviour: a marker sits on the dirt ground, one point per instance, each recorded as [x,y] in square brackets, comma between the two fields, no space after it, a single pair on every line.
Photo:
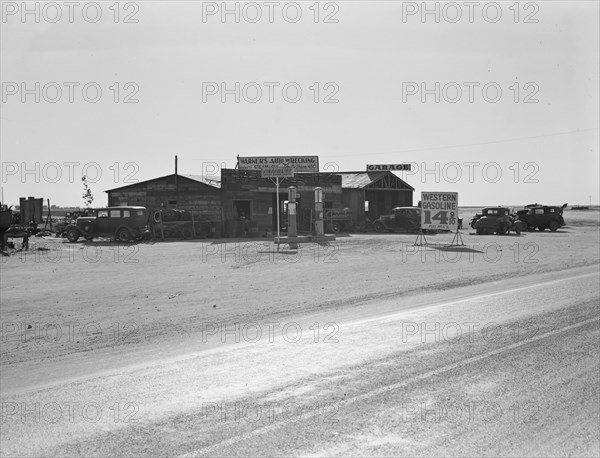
[141,340]
[61,298]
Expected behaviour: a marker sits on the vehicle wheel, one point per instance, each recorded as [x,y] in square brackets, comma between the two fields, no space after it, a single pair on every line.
[88,228]
[553,226]
[187,234]
[480,232]
[542,228]
[378,226]
[503,229]
[123,235]
[73,235]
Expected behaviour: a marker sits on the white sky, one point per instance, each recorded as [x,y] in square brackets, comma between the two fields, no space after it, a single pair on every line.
[369,53]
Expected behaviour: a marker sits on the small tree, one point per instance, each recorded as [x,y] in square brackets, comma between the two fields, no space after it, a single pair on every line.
[88,197]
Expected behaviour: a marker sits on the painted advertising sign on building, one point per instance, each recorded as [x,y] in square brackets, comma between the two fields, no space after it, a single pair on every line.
[297,163]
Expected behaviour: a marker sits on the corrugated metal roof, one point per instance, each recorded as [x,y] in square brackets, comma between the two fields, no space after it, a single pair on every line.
[360,180]
[202,179]
[199,178]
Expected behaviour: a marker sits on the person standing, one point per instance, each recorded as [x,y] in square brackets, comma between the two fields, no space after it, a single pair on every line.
[25,243]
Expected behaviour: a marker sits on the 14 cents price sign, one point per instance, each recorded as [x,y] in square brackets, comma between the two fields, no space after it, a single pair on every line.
[439,211]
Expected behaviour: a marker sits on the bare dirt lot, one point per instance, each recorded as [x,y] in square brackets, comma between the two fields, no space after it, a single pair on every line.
[165,333]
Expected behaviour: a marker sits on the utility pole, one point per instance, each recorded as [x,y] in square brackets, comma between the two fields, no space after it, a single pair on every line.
[176,183]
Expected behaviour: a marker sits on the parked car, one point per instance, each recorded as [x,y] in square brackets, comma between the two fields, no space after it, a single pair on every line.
[496,220]
[122,223]
[474,220]
[542,217]
[402,218]
[337,220]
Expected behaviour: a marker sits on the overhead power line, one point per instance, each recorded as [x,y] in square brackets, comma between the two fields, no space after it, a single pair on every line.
[436,148]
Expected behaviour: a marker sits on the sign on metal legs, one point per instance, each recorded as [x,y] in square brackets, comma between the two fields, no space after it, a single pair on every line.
[439,211]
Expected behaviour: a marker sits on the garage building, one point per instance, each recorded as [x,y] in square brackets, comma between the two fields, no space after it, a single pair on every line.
[372,194]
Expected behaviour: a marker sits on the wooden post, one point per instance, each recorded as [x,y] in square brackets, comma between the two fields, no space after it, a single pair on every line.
[48,219]
[193,225]
[162,232]
[278,205]
[222,223]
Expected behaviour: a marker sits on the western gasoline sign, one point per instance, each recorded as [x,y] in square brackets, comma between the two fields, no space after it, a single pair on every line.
[439,211]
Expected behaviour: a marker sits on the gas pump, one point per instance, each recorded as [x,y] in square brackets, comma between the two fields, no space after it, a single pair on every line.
[292,229]
[319,229]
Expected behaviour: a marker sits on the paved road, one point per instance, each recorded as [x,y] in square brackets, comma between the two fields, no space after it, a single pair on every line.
[505,368]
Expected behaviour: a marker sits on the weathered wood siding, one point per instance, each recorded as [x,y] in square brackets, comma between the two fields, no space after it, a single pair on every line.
[248,185]
[354,199]
[202,200]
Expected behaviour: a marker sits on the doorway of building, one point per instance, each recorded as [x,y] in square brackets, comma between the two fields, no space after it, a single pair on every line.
[242,210]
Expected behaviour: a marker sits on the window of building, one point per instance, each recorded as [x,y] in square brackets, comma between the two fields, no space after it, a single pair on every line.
[172,202]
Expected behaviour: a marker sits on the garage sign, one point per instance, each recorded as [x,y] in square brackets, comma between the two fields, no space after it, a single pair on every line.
[439,211]
[388,167]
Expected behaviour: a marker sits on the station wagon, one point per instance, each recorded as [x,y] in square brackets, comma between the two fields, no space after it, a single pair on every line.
[121,223]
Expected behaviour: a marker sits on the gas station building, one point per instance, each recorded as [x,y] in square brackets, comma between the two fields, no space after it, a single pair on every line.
[244,202]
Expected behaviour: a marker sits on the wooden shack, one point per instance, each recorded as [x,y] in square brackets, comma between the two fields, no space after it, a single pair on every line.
[372,194]
[197,194]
